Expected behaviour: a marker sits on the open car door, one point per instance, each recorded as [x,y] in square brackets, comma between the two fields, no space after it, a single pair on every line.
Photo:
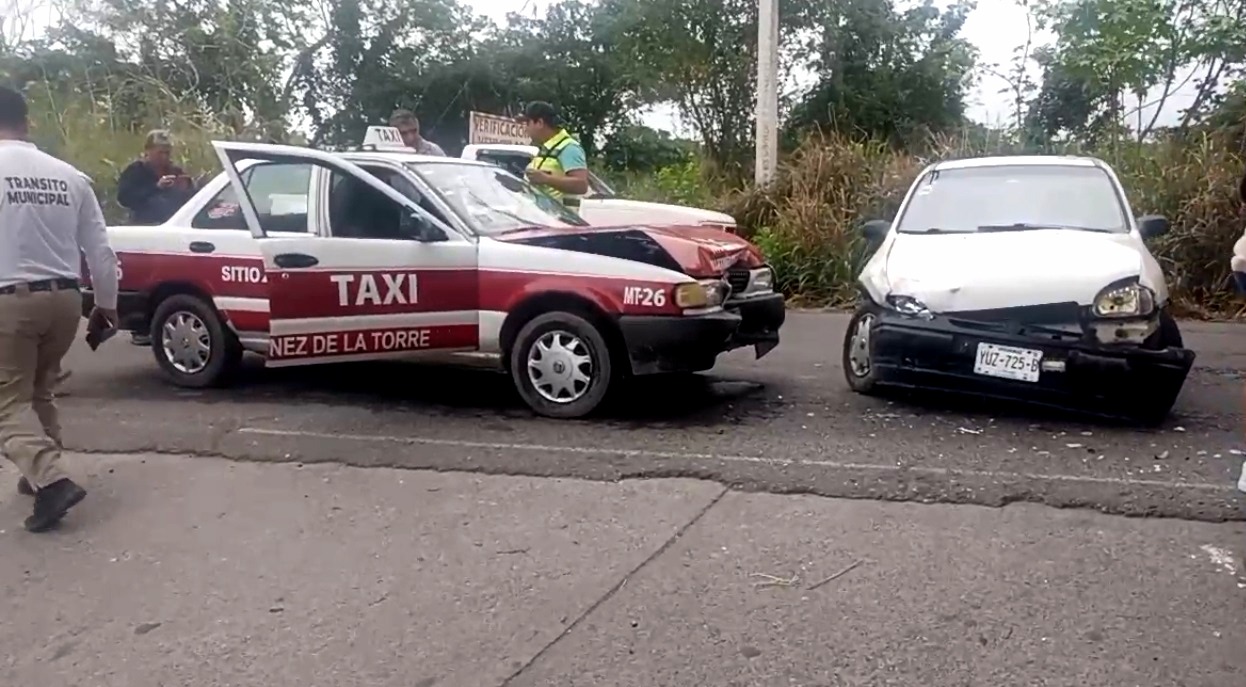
[373,275]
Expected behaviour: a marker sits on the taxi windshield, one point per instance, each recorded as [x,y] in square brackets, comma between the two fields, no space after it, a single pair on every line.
[493,200]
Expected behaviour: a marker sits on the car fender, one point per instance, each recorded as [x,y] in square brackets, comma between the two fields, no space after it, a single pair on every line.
[1152,274]
[873,280]
[512,274]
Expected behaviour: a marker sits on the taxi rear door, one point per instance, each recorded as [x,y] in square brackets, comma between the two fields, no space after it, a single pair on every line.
[345,296]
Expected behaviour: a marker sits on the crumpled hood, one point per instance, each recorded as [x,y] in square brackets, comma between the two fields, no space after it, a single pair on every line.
[699,252]
[966,272]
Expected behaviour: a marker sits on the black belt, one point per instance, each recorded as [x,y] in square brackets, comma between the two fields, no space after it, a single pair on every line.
[41,285]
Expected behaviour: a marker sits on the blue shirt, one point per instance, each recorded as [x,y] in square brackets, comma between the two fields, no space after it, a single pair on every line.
[572,157]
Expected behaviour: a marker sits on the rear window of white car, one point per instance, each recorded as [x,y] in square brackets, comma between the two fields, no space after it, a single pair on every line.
[1048,196]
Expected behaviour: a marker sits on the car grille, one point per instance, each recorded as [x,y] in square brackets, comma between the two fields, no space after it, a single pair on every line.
[738,280]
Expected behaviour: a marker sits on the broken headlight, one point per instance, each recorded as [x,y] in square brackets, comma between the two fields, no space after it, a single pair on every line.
[907,305]
[1124,300]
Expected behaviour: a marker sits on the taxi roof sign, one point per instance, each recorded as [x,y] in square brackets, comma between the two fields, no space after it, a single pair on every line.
[385,138]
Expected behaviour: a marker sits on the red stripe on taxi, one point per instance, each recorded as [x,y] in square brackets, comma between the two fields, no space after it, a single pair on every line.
[360,342]
[329,293]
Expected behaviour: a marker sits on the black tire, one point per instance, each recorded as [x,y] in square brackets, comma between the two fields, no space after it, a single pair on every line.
[1167,335]
[224,351]
[1169,332]
[601,372]
[861,381]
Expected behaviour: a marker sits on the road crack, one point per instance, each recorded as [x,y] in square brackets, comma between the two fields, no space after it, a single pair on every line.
[610,593]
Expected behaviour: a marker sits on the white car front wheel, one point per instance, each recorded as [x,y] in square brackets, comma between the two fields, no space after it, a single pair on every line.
[858,354]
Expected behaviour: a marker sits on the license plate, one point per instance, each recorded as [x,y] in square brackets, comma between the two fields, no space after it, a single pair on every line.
[1007,362]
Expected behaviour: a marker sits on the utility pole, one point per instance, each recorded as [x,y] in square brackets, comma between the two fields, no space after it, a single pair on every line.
[767,112]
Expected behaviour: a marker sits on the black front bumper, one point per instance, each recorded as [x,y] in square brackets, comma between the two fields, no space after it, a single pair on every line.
[1079,374]
[691,343]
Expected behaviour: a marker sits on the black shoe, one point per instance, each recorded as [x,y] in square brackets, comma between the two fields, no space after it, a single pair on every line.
[52,503]
[24,488]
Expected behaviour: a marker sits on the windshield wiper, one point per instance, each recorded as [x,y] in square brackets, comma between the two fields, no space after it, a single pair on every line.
[1025,226]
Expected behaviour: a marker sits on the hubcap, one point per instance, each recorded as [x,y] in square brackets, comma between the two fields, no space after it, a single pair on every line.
[560,367]
[186,341]
[859,347]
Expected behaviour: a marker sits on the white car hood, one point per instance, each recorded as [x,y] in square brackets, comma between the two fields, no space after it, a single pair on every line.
[659,212]
[984,271]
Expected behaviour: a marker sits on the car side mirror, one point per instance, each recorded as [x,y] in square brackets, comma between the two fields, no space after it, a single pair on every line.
[876,230]
[415,226]
[1152,226]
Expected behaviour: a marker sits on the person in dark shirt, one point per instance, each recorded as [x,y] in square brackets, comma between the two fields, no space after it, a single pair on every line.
[152,188]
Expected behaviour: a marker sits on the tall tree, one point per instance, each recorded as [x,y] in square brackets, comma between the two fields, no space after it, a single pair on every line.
[701,55]
[887,73]
[1117,63]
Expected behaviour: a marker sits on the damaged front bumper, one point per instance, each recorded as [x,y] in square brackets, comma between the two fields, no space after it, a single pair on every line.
[692,343]
[1035,364]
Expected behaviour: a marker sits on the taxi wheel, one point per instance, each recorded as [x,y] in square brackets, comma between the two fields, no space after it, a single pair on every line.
[560,364]
[192,344]
[858,358]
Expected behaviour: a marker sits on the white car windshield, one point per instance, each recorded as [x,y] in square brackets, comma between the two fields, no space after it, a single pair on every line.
[493,200]
[1014,198]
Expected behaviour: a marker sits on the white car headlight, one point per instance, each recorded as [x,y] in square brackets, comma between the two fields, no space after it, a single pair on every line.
[907,305]
[1125,300]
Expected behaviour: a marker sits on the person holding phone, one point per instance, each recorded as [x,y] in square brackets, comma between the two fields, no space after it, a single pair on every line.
[152,188]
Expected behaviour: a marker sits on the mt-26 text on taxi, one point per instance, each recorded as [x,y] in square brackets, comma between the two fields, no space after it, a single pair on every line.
[306,256]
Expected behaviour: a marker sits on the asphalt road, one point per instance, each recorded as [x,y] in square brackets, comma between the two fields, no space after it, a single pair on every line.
[785,424]
[204,572]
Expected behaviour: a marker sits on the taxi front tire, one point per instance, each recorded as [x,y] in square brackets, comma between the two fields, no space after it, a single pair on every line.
[562,327]
[225,352]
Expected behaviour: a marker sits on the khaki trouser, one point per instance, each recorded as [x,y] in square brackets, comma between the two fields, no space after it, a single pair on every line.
[36,330]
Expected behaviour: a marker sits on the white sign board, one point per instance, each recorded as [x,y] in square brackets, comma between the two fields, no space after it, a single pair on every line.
[384,137]
[488,128]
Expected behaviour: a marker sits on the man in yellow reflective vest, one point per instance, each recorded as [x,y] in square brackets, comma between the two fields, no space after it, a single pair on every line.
[560,167]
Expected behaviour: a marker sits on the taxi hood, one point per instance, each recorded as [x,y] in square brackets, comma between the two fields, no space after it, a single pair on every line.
[699,252]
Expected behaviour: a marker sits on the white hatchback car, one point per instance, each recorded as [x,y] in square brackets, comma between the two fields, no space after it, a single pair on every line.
[1019,277]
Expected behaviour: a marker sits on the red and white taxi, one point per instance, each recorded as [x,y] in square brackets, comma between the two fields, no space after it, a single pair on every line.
[307,256]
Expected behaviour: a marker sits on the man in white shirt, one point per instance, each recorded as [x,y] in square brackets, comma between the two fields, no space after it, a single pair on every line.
[49,218]
[408,126]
